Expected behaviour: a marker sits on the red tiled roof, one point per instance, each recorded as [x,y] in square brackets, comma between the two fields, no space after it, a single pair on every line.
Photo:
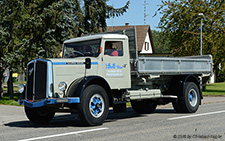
[141,32]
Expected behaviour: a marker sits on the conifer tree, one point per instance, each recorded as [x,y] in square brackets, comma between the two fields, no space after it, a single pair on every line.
[10,40]
[180,23]
[37,28]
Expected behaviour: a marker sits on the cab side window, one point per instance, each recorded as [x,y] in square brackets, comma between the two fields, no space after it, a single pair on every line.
[114,48]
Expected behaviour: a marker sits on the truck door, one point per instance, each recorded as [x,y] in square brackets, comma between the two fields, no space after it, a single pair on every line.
[116,65]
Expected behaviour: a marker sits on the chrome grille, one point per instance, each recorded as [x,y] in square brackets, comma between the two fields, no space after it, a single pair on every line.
[37,79]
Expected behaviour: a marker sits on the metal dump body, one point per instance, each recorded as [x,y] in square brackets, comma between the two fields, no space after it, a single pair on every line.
[175,65]
[158,65]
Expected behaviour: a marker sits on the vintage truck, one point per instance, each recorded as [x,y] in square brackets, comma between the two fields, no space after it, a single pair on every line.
[89,78]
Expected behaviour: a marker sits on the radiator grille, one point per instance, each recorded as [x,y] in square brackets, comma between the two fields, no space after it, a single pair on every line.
[37,80]
[30,81]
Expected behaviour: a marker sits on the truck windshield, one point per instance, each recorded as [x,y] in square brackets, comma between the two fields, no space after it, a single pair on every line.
[79,49]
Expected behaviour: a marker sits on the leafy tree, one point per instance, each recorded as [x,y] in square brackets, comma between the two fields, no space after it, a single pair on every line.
[97,11]
[161,43]
[49,23]
[31,28]
[181,25]
[10,42]
[79,18]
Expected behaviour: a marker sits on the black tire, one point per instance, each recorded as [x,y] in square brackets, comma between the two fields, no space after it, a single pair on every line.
[177,106]
[40,115]
[190,101]
[94,106]
[144,106]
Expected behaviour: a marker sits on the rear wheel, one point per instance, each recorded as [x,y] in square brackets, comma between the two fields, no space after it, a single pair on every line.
[190,101]
[94,106]
[40,115]
[177,106]
[144,106]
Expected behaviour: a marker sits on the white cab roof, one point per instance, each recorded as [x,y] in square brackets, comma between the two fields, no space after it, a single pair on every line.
[97,36]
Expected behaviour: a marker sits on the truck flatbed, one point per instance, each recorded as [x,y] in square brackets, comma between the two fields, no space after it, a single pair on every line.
[175,65]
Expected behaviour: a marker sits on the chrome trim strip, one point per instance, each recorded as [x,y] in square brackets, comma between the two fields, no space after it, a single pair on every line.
[49,79]
[49,93]
[33,95]
[73,63]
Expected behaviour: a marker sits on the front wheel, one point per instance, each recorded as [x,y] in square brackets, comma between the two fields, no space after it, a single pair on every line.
[190,101]
[40,115]
[94,106]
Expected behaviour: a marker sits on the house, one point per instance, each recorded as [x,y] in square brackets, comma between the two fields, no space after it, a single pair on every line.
[141,37]
[144,41]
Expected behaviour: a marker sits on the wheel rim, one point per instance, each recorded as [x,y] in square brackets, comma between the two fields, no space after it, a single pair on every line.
[192,97]
[96,105]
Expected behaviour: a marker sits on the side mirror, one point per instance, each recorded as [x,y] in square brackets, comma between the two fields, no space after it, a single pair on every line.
[87,63]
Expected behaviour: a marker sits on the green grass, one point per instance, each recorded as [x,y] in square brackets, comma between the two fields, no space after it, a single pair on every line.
[5,100]
[216,89]
[16,83]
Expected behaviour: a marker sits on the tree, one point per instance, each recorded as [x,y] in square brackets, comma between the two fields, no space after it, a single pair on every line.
[181,24]
[30,29]
[161,43]
[1,79]
[97,11]
[10,42]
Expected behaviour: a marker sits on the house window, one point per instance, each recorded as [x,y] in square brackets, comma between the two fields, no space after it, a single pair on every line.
[146,46]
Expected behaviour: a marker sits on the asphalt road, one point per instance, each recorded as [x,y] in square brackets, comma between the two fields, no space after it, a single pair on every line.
[164,124]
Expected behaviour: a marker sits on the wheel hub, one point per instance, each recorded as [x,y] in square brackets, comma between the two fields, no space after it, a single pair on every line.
[190,97]
[193,97]
[96,105]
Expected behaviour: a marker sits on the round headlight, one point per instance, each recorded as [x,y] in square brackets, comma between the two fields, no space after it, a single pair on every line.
[62,86]
[21,88]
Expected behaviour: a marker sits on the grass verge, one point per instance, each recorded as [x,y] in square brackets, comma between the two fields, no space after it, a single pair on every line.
[5,100]
[216,89]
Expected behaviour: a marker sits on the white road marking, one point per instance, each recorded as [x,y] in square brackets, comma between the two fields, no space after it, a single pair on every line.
[197,115]
[64,134]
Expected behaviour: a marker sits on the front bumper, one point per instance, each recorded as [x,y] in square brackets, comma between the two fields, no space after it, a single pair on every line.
[52,101]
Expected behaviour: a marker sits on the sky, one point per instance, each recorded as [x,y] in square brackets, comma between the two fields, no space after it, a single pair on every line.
[135,14]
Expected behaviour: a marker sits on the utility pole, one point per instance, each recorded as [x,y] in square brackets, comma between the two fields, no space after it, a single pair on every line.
[202,16]
[145,15]
[112,17]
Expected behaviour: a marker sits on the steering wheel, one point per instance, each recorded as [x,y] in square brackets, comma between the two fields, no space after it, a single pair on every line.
[76,53]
